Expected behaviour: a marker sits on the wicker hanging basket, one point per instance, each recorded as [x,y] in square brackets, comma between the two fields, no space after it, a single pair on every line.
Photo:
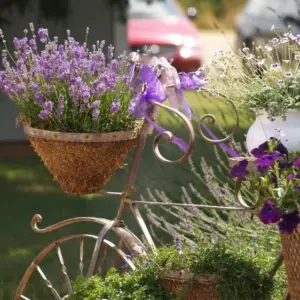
[291,253]
[82,163]
[182,284]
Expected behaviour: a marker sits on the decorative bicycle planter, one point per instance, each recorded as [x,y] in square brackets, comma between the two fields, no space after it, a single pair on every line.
[129,242]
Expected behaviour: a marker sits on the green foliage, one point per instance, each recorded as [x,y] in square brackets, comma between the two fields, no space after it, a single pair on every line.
[138,285]
[74,120]
[240,266]
[269,81]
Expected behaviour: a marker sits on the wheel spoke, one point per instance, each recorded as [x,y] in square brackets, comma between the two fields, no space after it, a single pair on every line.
[81,255]
[103,259]
[48,283]
[25,298]
[64,269]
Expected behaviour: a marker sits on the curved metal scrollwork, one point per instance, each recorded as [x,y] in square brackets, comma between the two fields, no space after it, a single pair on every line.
[130,239]
[239,197]
[212,119]
[169,136]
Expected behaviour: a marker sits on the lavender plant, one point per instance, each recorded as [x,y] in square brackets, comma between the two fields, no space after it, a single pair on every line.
[67,87]
[214,187]
[269,81]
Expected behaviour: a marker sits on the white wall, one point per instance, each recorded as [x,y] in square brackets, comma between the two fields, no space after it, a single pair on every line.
[95,14]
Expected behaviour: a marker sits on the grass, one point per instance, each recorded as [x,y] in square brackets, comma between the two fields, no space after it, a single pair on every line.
[27,189]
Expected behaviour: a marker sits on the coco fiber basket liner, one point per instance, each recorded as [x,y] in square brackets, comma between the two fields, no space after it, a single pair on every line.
[82,163]
[291,253]
[182,284]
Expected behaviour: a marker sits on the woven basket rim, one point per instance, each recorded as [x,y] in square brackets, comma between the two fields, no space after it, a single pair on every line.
[83,137]
[208,279]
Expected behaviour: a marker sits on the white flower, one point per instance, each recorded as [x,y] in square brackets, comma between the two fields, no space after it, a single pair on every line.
[261,62]
[268,48]
[275,67]
[288,74]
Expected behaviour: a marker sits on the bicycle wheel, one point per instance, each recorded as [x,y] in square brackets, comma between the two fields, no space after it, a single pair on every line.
[62,253]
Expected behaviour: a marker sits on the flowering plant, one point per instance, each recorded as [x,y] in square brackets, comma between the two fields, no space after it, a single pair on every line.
[269,80]
[277,180]
[235,273]
[67,87]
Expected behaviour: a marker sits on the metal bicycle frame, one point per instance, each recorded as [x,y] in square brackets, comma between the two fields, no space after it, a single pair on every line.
[117,224]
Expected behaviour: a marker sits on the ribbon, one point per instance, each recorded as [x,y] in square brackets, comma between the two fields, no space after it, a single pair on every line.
[225,147]
[180,143]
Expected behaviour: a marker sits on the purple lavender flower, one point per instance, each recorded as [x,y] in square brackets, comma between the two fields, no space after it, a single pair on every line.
[115,107]
[39,98]
[147,263]
[48,105]
[289,222]
[110,52]
[44,114]
[269,213]
[95,113]
[239,170]
[178,244]
[82,107]
[43,35]
[32,44]
[85,93]
[95,104]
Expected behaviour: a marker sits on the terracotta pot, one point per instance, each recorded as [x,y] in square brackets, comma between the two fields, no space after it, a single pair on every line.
[82,163]
[183,284]
[291,253]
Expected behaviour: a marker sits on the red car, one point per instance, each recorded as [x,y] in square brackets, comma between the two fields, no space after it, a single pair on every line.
[166,31]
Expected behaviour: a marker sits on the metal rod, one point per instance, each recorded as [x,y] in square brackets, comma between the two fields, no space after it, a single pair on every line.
[111,193]
[189,205]
[97,248]
[129,188]
[277,265]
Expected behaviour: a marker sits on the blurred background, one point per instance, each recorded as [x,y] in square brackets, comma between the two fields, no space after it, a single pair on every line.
[187,32]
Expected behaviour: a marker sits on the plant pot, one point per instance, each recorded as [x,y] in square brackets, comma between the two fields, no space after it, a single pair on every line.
[291,253]
[82,163]
[182,284]
[263,128]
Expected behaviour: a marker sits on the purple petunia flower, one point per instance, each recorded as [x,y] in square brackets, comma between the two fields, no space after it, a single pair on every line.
[289,222]
[269,213]
[263,148]
[262,169]
[260,150]
[268,159]
[239,170]
[297,162]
